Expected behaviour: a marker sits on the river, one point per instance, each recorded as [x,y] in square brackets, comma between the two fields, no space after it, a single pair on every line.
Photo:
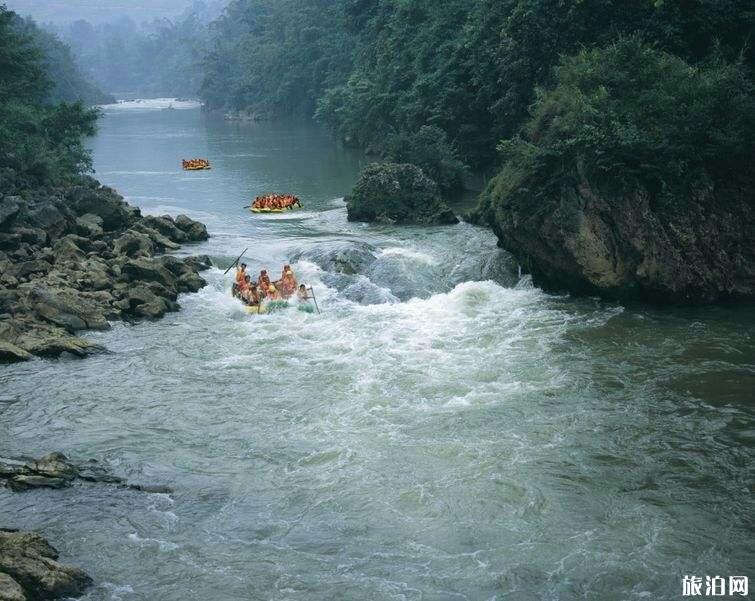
[443,430]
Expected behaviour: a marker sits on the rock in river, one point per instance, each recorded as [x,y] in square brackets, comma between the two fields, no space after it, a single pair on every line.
[29,570]
[397,193]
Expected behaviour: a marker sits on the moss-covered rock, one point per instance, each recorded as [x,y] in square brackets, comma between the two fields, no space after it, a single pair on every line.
[397,193]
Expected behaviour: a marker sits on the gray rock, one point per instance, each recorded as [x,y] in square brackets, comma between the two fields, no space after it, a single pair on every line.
[10,590]
[9,207]
[134,244]
[30,562]
[90,226]
[147,270]
[48,217]
[66,250]
[166,226]
[26,268]
[195,230]
[68,308]
[574,234]
[397,193]
[10,353]
[161,242]
[9,241]
[106,204]
[32,235]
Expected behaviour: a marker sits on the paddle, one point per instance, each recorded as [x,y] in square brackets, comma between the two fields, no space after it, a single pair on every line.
[314,298]
[236,261]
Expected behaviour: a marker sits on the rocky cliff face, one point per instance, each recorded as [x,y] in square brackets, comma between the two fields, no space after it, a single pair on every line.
[575,236]
[76,258]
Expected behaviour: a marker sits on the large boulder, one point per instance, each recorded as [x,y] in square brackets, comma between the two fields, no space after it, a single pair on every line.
[10,353]
[68,308]
[134,244]
[9,207]
[142,301]
[194,230]
[161,242]
[105,203]
[29,570]
[166,226]
[45,214]
[147,270]
[575,235]
[397,193]
[90,226]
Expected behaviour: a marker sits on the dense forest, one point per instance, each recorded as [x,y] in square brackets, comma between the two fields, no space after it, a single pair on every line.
[42,118]
[458,77]
[162,57]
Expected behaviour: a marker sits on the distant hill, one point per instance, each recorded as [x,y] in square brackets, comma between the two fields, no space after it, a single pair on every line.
[69,83]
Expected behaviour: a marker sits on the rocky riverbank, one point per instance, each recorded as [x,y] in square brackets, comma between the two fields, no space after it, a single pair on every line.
[76,258]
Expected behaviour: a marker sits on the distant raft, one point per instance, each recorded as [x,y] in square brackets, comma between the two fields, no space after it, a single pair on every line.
[195,164]
[275,203]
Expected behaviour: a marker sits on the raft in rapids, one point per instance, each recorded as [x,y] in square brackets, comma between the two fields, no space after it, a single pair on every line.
[275,306]
[275,203]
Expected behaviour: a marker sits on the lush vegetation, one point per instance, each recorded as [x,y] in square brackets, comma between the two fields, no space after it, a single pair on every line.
[40,138]
[161,58]
[630,114]
[400,77]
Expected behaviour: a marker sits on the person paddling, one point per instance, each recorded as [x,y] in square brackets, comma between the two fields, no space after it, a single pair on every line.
[240,273]
[264,281]
[288,282]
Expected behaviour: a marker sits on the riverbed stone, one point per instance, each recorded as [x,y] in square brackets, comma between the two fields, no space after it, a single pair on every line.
[134,244]
[195,230]
[147,270]
[90,225]
[9,207]
[166,226]
[161,242]
[10,353]
[10,590]
[30,562]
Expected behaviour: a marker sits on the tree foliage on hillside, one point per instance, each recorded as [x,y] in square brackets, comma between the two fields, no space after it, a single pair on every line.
[380,69]
[40,141]
[631,113]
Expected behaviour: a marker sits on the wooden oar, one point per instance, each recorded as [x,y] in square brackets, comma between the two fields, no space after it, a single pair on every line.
[314,298]
[236,261]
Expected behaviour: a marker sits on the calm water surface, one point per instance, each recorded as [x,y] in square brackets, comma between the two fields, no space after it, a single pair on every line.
[442,431]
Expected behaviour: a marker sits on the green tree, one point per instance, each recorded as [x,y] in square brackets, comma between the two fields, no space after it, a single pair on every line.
[40,142]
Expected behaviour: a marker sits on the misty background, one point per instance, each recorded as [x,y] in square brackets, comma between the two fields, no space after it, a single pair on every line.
[124,49]
[62,12]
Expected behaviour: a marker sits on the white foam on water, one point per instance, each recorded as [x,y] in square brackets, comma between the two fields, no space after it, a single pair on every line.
[151,104]
[162,545]
[408,253]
